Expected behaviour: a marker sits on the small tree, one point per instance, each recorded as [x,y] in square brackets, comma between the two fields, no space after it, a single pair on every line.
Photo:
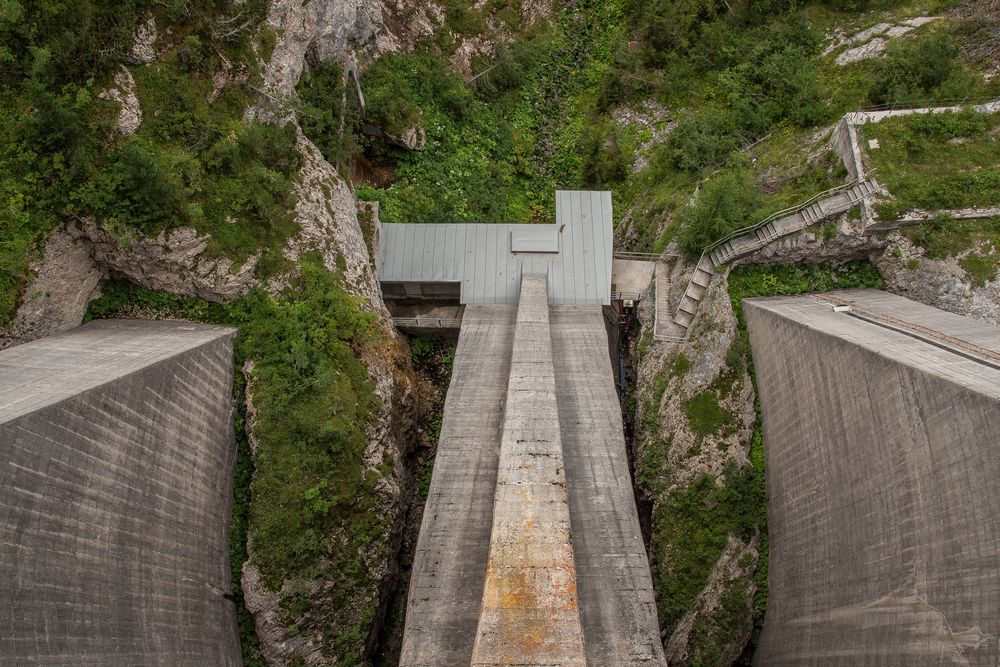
[726,203]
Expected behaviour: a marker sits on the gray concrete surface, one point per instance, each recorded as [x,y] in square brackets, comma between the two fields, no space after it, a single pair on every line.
[631,276]
[530,613]
[449,567]
[116,469]
[883,492]
[617,606]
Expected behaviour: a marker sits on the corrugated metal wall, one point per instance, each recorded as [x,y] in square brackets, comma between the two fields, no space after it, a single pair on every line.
[478,255]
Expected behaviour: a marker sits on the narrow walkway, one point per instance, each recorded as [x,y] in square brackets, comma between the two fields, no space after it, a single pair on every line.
[446,584]
[530,613]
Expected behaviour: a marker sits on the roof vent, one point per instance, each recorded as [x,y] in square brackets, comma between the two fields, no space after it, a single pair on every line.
[534,238]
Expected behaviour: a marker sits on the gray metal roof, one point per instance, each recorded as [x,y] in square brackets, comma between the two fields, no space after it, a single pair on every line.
[480,256]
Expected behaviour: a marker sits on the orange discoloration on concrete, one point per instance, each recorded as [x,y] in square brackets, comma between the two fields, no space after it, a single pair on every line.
[530,613]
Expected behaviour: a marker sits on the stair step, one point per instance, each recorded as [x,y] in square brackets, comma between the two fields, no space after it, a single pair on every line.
[701,278]
[683,318]
[696,291]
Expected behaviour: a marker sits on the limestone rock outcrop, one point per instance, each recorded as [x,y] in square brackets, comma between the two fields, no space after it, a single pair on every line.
[669,376]
[123,92]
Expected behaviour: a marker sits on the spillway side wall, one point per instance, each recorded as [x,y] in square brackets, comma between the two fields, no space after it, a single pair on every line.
[117,505]
[883,504]
[449,565]
[617,603]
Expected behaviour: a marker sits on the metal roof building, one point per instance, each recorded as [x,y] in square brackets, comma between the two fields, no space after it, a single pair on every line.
[486,261]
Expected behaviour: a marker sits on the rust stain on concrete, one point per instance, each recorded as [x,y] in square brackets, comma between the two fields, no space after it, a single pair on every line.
[530,613]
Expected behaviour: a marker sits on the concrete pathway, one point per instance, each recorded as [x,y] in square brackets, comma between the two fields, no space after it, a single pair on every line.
[530,551]
[446,584]
[530,613]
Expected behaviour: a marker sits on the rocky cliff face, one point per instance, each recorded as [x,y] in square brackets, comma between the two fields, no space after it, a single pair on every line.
[695,421]
[335,29]
[942,283]
[80,254]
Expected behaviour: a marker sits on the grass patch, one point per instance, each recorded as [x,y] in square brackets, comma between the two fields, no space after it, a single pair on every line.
[943,237]
[705,414]
[937,161]
[980,269]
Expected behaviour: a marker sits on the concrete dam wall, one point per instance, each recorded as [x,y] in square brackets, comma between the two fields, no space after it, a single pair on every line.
[498,577]
[116,473]
[881,425]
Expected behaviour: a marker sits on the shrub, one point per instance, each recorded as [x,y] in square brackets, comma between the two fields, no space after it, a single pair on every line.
[390,95]
[421,350]
[705,414]
[52,124]
[506,71]
[143,185]
[915,70]
[727,202]
[604,160]
[323,119]
[705,139]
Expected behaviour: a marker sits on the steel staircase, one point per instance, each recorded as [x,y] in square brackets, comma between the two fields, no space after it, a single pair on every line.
[750,239]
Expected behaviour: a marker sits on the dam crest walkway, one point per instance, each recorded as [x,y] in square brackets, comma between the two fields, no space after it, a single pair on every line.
[530,550]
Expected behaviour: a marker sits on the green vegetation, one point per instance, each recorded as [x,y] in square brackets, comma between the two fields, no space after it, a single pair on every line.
[937,161]
[729,201]
[923,70]
[193,162]
[708,639]
[498,146]
[942,238]
[705,414]
[324,112]
[316,510]
[690,528]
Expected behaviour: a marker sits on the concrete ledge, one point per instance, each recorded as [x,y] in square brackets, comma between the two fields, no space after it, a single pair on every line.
[530,613]
[617,604]
[446,583]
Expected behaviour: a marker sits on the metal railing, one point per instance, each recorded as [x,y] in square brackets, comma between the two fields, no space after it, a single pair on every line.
[642,256]
[629,296]
[990,357]
[427,322]
[929,104]
[791,210]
